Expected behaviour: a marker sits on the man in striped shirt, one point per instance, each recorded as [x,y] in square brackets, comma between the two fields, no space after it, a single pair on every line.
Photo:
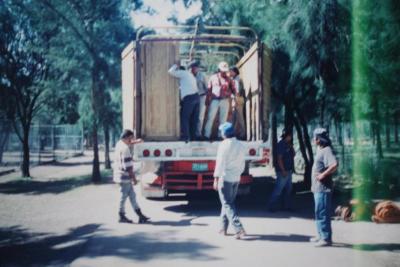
[125,177]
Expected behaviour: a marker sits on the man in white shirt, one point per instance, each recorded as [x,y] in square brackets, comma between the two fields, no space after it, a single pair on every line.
[125,177]
[202,87]
[190,101]
[229,166]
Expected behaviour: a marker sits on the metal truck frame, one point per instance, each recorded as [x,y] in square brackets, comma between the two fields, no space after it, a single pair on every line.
[169,165]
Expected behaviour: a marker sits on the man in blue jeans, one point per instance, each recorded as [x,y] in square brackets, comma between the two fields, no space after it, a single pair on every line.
[325,164]
[229,166]
[284,168]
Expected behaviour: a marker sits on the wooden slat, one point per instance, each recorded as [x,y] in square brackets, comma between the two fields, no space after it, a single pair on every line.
[160,92]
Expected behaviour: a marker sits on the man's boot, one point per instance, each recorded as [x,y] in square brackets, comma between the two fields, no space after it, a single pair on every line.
[123,218]
[142,218]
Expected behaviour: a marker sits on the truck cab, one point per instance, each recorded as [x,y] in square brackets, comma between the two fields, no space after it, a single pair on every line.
[150,98]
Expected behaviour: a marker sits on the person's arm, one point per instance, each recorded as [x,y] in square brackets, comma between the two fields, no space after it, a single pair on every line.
[175,71]
[127,164]
[219,165]
[281,165]
[331,169]
[132,175]
[137,141]
[331,162]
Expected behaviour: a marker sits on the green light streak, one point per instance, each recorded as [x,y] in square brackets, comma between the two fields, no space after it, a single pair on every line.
[360,97]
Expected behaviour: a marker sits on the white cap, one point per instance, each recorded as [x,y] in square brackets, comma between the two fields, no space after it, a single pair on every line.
[223,66]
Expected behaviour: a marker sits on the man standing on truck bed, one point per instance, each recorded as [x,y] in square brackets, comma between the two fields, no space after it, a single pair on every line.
[220,91]
[125,177]
[190,101]
[202,87]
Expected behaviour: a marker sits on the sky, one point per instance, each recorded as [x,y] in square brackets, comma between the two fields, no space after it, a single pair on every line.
[163,10]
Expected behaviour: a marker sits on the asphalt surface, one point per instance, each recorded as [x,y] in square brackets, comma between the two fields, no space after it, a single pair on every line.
[59,219]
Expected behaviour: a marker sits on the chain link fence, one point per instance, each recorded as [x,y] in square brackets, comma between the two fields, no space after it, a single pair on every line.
[47,143]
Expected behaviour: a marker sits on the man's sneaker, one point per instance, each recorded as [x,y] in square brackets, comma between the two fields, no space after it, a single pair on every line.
[314,239]
[323,243]
[143,219]
[240,235]
[223,232]
[124,219]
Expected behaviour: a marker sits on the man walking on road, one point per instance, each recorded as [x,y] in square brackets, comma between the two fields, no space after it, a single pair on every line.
[229,166]
[125,177]
[325,164]
[284,167]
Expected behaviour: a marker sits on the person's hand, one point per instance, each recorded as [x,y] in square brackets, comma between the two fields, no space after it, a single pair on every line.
[134,181]
[215,184]
[320,176]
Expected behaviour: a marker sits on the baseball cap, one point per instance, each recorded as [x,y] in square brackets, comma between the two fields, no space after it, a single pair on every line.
[227,129]
[223,66]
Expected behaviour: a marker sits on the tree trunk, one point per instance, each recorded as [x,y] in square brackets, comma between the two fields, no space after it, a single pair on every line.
[26,156]
[107,161]
[387,129]
[96,176]
[274,138]
[377,127]
[308,149]
[3,140]
[396,127]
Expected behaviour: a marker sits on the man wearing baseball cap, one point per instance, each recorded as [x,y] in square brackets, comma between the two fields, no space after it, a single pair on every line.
[221,90]
[229,166]
[325,164]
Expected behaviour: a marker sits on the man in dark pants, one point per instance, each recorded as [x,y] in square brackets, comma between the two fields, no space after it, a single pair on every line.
[190,101]
[284,169]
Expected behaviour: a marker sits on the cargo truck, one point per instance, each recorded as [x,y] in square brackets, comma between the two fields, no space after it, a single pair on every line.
[150,99]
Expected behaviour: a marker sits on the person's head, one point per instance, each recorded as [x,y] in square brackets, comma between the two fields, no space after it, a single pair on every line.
[223,67]
[234,71]
[227,130]
[194,66]
[287,135]
[126,136]
[321,137]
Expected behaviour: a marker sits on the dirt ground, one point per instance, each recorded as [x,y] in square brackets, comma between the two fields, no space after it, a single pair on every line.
[59,218]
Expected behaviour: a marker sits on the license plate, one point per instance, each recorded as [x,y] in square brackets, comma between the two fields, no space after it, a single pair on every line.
[199,167]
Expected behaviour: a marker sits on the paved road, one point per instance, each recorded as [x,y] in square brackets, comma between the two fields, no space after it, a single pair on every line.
[58,221]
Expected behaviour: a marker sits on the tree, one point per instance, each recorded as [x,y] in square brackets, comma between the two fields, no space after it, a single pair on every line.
[23,71]
[95,25]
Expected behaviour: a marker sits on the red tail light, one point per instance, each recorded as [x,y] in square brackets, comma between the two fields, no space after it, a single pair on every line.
[146,153]
[168,152]
[252,152]
[157,153]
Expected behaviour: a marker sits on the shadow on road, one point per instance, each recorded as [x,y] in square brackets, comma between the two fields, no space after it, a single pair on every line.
[19,247]
[43,187]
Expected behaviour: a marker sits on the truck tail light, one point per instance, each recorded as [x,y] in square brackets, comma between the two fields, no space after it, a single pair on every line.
[252,152]
[157,152]
[168,152]
[146,153]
